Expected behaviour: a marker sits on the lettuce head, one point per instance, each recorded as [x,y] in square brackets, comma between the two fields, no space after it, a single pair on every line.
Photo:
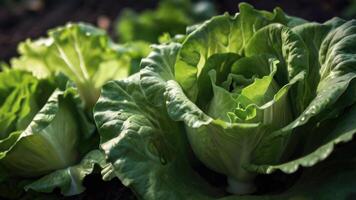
[244,96]
[46,138]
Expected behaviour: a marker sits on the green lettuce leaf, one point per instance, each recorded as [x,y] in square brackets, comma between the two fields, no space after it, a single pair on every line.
[70,179]
[43,135]
[334,93]
[332,179]
[142,146]
[85,54]
[55,129]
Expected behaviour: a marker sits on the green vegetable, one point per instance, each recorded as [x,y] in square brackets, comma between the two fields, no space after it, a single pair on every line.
[249,94]
[85,54]
[47,136]
[44,138]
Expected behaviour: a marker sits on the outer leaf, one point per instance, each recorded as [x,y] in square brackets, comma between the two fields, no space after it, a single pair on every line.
[148,151]
[57,138]
[331,179]
[343,131]
[70,179]
[47,130]
[313,35]
[337,59]
[180,108]
[157,69]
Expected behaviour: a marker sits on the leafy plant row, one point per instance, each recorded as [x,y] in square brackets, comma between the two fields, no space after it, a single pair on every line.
[262,99]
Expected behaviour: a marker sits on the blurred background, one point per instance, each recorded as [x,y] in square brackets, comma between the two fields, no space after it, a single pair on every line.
[21,19]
